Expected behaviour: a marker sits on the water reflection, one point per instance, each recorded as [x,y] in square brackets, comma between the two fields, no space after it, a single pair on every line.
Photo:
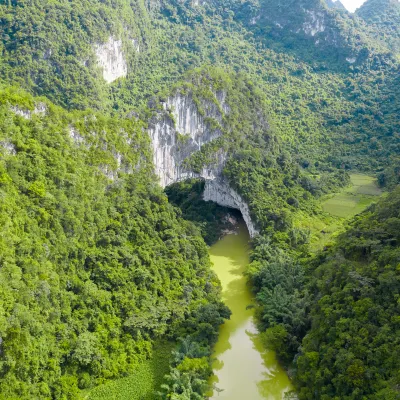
[243,368]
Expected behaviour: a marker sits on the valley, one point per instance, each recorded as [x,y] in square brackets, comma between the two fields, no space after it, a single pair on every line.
[134,135]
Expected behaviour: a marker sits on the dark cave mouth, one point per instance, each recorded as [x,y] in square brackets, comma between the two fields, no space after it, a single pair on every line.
[213,220]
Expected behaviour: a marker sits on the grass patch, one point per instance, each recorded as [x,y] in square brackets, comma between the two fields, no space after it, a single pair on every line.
[353,199]
[143,384]
[339,207]
[346,205]
[364,184]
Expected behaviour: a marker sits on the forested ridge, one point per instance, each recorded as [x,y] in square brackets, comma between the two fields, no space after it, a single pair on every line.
[98,264]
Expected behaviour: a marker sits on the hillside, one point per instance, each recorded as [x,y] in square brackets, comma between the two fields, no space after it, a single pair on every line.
[95,264]
[384,16]
[312,29]
[310,105]
[336,4]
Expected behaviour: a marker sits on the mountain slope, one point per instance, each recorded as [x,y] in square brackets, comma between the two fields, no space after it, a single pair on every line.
[336,4]
[95,264]
[312,29]
[62,49]
[384,16]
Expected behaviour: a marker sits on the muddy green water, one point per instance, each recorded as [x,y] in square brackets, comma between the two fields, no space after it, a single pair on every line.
[243,369]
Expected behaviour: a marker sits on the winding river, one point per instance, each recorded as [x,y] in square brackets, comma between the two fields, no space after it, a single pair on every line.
[243,369]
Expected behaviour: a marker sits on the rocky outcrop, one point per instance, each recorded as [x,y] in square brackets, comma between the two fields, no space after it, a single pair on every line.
[315,23]
[40,109]
[219,191]
[75,135]
[111,59]
[8,148]
[181,130]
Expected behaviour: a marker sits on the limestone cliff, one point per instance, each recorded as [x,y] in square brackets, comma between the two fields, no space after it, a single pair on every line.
[111,59]
[179,131]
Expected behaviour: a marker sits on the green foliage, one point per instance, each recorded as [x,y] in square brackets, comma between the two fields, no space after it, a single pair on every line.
[49,46]
[191,366]
[352,348]
[276,338]
[143,383]
[189,371]
[342,117]
[278,281]
[210,218]
[310,29]
[94,263]
[258,165]
[384,16]
[183,386]
[353,199]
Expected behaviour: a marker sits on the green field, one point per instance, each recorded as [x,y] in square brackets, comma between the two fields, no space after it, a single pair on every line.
[364,184]
[140,386]
[354,199]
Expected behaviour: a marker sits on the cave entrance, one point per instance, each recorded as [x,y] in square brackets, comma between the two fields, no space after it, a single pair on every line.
[212,219]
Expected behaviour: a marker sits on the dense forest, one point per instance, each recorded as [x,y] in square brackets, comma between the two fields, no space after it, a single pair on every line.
[384,16]
[99,266]
[352,348]
[95,263]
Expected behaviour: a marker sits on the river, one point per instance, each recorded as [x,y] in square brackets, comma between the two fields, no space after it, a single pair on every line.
[243,369]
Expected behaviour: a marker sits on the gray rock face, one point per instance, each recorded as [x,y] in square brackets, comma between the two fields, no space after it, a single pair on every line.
[181,130]
[111,59]
[40,109]
[75,135]
[315,23]
[8,148]
[220,192]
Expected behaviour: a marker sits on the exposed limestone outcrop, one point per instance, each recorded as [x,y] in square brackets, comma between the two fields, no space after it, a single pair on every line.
[75,135]
[136,45]
[181,130]
[40,109]
[220,192]
[315,23]
[8,148]
[111,59]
